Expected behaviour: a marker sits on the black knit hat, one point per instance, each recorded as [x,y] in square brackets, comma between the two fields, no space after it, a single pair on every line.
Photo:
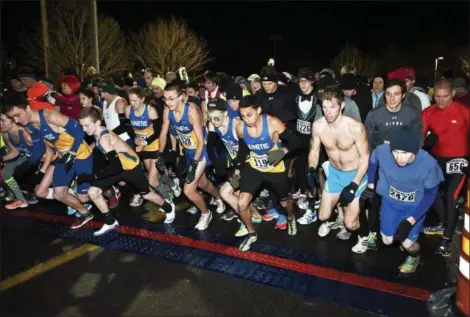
[305,73]
[405,139]
[234,92]
[217,104]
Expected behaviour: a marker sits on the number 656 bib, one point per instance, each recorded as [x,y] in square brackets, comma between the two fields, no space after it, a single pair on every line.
[187,141]
[455,166]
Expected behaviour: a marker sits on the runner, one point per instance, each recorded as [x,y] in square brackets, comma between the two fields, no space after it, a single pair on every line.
[186,119]
[346,146]
[223,126]
[123,165]
[408,183]
[449,124]
[66,135]
[266,137]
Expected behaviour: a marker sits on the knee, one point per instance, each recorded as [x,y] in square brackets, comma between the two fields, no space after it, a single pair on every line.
[93,192]
[323,216]
[387,240]
[189,191]
[242,205]
[60,193]
[226,191]
[351,224]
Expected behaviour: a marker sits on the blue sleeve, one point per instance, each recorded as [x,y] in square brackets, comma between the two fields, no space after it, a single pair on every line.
[426,202]
[75,130]
[372,169]
[37,152]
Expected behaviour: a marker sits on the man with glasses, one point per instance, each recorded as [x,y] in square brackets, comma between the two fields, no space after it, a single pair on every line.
[186,120]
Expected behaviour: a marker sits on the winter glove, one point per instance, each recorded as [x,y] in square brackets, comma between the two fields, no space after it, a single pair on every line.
[347,194]
[160,162]
[68,159]
[49,97]
[312,177]
[235,181]
[403,231]
[86,178]
[369,193]
[191,172]
[274,157]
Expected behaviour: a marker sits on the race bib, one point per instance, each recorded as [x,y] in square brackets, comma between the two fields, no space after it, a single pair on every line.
[261,161]
[304,127]
[186,141]
[406,197]
[231,149]
[455,166]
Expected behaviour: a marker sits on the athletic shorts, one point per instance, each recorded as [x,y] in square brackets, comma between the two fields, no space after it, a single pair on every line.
[391,216]
[147,155]
[252,181]
[337,180]
[189,155]
[134,177]
[62,178]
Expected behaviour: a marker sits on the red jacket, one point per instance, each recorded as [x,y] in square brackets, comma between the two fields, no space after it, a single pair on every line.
[69,104]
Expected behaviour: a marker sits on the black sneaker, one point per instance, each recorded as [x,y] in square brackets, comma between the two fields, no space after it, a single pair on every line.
[80,222]
[445,248]
[229,215]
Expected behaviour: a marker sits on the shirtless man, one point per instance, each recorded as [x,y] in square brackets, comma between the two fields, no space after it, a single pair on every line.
[345,142]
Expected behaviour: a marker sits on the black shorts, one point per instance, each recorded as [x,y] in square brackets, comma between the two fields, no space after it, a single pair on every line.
[135,178]
[147,155]
[252,181]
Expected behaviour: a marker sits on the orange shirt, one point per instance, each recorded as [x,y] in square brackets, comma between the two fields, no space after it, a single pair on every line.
[38,90]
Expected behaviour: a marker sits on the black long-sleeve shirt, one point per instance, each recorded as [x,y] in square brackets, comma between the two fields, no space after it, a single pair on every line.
[380,123]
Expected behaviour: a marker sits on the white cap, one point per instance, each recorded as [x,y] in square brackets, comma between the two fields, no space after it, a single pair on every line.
[253,76]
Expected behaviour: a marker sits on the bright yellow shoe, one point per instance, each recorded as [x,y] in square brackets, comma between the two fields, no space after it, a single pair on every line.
[410,265]
[242,231]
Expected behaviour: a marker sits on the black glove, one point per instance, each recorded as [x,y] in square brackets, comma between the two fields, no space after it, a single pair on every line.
[275,156]
[191,172]
[68,160]
[160,162]
[220,166]
[235,182]
[171,157]
[369,193]
[312,177]
[86,178]
[430,140]
[348,194]
[403,231]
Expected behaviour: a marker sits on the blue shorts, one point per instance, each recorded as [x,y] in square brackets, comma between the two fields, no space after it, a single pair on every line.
[337,180]
[189,155]
[81,166]
[393,213]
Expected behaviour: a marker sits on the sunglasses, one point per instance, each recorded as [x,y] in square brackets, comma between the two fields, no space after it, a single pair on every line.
[214,118]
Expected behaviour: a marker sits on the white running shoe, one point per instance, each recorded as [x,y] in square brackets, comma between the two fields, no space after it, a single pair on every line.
[106,228]
[204,221]
[302,202]
[361,245]
[176,188]
[220,206]
[192,210]
[264,193]
[136,201]
[213,201]
[344,234]
[327,226]
[170,216]
[308,217]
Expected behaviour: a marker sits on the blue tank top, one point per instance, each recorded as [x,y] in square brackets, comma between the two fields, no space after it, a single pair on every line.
[229,139]
[142,122]
[260,146]
[21,145]
[44,131]
[184,129]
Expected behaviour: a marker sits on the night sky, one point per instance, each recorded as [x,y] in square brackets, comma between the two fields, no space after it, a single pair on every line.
[313,32]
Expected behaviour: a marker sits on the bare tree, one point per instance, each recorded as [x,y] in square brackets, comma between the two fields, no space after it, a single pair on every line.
[166,45]
[69,37]
[351,55]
